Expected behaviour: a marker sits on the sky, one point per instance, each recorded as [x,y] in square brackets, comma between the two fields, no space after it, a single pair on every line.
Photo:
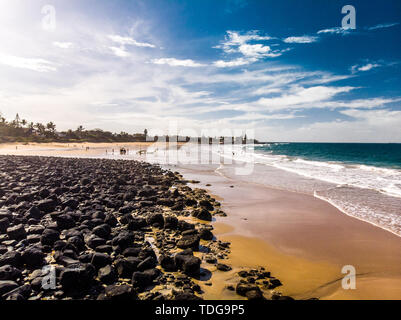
[286,70]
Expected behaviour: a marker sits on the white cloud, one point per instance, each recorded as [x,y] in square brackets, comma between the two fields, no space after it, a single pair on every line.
[244,44]
[177,62]
[120,52]
[130,41]
[255,116]
[335,30]
[384,25]
[233,63]
[34,64]
[234,38]
[302,39]
[366,67]
[360,103]
[63,45]
[302,97]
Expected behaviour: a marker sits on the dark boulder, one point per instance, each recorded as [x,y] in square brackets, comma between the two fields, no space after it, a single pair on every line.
[16,232]
[9,272]
[243,288]
[65,221]
[185,296]
[49,237]
[47,205]
[107,275]
[167,263]
[33,257]
[126,267]
[202,214]
[120,292]
[70,203]
[124,239]
[223,267]
[206,204]
[206,234]
[146,264]
[155,219]
[111,220]
[100,260]
[4,224]
[76,279]
[35,213]
[191,265]
[131,252]
[102,231]
[254,295]
[6,286]
[170,222]
[189,241]
[12,258]
[136,223]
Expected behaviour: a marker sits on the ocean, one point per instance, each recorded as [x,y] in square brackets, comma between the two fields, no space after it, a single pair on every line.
[362,180]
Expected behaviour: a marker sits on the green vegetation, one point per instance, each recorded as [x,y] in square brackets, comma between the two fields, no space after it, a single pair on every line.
[20,130]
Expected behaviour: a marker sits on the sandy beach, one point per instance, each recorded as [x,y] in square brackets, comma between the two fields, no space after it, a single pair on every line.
[302,240]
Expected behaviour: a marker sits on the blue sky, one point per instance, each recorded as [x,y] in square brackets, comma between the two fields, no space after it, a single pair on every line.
[285,69]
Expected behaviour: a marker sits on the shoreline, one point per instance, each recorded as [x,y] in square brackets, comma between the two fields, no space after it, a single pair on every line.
[324,273]
[305,250]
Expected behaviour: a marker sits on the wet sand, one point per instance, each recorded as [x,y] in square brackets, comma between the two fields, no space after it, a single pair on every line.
[302,240]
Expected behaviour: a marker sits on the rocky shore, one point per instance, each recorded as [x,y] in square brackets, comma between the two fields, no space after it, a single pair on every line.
[109,230]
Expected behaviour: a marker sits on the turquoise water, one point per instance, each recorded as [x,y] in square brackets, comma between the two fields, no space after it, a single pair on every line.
[372,154]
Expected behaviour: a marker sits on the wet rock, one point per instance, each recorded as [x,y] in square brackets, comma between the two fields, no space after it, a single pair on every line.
[223,267]
[16,232]
[254,295]
[170,222]
[12,258]
[126,267]
[65,221]
[142,279]
[191,265]
[47,205]
[189,241]
[206,204]
[202,214]
[35,213]
[76,279]
[148,263]
[102,231]
[33,257]
[123,239]
[120,293]
[243,288]
[155,219]
[9,272]
[6,286]
[137,223]
[185,296]
[100,260]
[49,237]
[4,224]
[206,234]
[167,263]
[107,275]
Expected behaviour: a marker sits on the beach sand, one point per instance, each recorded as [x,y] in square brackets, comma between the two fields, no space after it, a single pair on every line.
[302,240]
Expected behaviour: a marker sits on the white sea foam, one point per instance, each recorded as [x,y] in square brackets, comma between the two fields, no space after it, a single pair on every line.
[368,193]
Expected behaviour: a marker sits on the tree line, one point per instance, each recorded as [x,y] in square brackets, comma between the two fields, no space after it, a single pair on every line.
[20,130]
